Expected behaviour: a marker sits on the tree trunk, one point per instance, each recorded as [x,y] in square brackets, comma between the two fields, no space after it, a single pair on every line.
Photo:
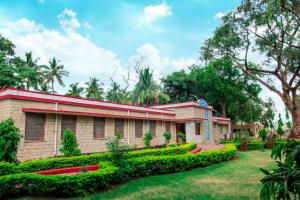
[291,103]
[295,132]
[223,107]
[52,85]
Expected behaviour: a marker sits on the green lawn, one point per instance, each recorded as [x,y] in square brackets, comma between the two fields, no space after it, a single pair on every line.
[238,179]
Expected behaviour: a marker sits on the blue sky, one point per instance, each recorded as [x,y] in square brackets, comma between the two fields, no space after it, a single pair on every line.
[103,39]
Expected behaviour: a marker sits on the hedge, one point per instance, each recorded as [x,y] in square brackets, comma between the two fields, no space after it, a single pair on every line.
[252,145]
[26,184]
[60,162]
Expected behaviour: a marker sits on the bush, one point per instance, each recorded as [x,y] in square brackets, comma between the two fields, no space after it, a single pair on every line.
[252,145]
[167,136]
[73,185]
[181,137]
[283,182]
[118,151]
[69,144]
[60,162]
[17,185]
[147,139]
[9,140]
[263,134]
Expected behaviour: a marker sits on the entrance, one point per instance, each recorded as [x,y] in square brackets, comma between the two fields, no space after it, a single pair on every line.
[180,128]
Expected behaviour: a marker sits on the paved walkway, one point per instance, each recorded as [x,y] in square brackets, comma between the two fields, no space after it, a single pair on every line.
[211,146]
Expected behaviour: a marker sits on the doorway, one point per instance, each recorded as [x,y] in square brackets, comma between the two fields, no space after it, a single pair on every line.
[180,128]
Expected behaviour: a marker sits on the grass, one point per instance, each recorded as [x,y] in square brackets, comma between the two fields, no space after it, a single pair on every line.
[238,179]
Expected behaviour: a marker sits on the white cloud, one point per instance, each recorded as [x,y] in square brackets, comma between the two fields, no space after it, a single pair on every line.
[153,13]
[68,20]
[160,64]
[219,15]
[81,57]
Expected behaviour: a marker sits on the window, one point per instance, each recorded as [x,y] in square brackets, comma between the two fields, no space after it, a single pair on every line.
[153,128]
[138,128]
[168,126]
[99,127]
[35,126]
[68,122]
[119,127]
[198,128]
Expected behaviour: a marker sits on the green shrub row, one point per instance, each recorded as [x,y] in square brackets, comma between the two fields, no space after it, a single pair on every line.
[252,145]
[26,184]
[60,162]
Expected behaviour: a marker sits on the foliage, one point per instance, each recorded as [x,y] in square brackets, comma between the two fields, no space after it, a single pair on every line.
[263,134]
[284,181]
[94,89]
[267,118]
[287,118]
[147,91]
[53,72]
[181,137]
[17,185]
[83,160]
[75,90]
[252,145]
[118,95]
[9,140]
[265,28]
[280,130]
[251,134]
[69,144]
[118,151]
[147,139]
[179,86]
[167,135]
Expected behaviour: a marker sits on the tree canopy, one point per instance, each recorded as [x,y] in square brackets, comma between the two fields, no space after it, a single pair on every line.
[262,38]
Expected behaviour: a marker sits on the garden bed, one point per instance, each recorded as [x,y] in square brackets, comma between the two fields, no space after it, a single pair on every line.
[69,170]
[31,184]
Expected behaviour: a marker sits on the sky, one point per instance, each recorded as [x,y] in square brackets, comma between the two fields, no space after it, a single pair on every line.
[103,39]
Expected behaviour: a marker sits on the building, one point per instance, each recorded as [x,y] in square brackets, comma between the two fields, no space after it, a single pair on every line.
[247,128]
[43,117]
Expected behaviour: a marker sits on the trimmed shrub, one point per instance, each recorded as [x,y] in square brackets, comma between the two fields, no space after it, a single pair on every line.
[167,136]
[9,140]
[69,144]
[252,145]
[60,162]
[117,150]
[147,139]
[181,137]
[17,185]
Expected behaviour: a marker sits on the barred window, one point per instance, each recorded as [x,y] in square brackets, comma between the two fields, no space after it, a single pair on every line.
[198,128]
[35,126]
[99,127]
[153,128]
[168,126]
[119,127]
[68,122]
[138,128]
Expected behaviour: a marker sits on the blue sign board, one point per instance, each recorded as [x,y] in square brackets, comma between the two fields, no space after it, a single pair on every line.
[204,104]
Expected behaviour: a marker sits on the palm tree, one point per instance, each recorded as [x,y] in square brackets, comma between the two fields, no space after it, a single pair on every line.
[94,90]
[75,90]
[54,71]
[146,91]
[44,88]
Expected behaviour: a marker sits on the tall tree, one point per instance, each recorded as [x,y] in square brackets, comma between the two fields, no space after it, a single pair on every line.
[75,90]
[7,71]
[94,89]
[117,94]
[270,30]
[28,72]
[179,86]
[268,115]
[53,72]
[147,91]
[232,93]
